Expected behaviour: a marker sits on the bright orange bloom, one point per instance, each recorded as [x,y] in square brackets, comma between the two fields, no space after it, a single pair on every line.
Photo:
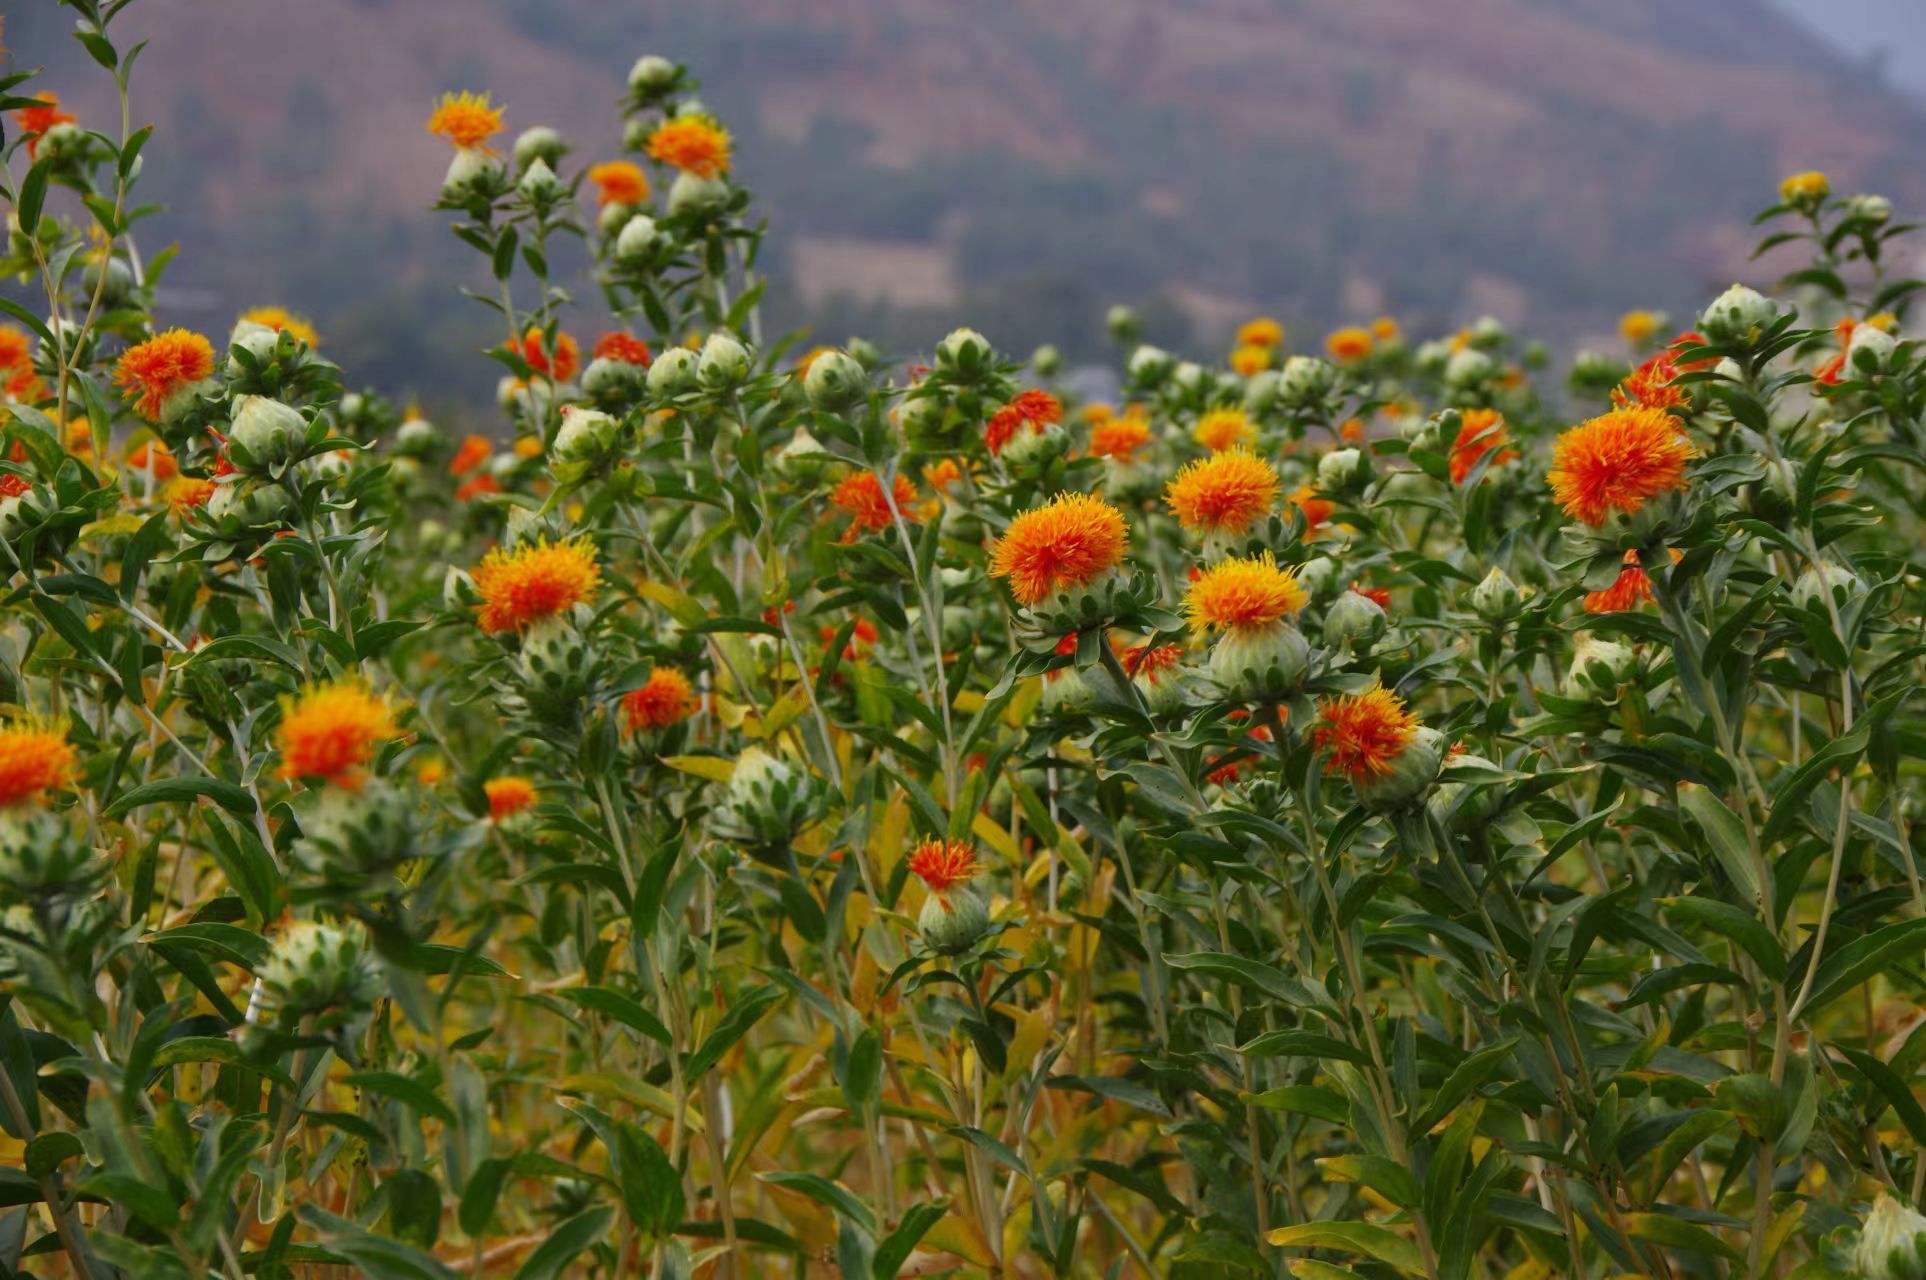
[861,495]
[1351,430]
[942,473]
[1249,359]
[1479,432]
[34,121]
[508,795]
[1243,594]
[34,757]
[537,580]
[1637,327]
[668,697]
[693,144]
[1066,542]
[1379,596]
[944,864]
[432,773]
[480,484]
[281,320]
[1143,660]
[1349,344]
[619,182]
[528,446]
[13,484]
[1364,732]
[1033,409]
[1119,438]
[1260,331]
[1316,510]
[465,119]
[1222,429]
[1385,329]
[473,452]
[1618,461]
[624,347]
[156,454]
[189,491]
[1227,492]
[559,364]
[332,730]
[1631,589]
[16,349]
[164,364]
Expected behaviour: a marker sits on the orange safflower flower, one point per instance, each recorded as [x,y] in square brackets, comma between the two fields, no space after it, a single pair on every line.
[1348,344]
[1479,432]
[332,730]
[163,365]
[281,320]
[1260,331]
[16,349]
[860,495]
[1222,429]
[944,864]
[537,580]
[1631,589]
[558,364]
[619,182]
[1317,511]
[1249,359]
[1243,594]
[665,699]
[1379,596]
[35,757]
[1364,732]
[1119,438]
[1351,430]
[693,144]
[473,452]
[13,484]
[465,119]
[942,473]
[1034,409]
[507,796]
[155,454]
[1617,461]
[478,485]
[188,491]
[1067,542]
[1227,492]
[36,120]
[624,347]
[1385,329]
[1148,662]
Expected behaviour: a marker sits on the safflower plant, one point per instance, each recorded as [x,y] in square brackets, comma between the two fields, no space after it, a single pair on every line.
[781,811]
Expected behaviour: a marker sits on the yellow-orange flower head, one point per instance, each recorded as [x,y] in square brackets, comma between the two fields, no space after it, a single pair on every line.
[1617,462]
[944,864]
[1479,432]
[1067,542]
[165,363]
[1222,429]
[1119,438]
[507,796]
[34,758]
[1809,187]
[1260,331]
[465,119]
[533,582]
[619,182]
[332,731]
[1243,594]
[1348,344]
[1227,492]
[1249,359]
[1365,732]
[281,320]
[188,491]
[693,144]
[1637,327]
[665,699]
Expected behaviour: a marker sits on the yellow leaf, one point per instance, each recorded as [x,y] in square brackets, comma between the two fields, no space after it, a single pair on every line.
[995,836]
[634,1092]
[969,700]
[683,608]
[785,711]
[714,768]
[112,527]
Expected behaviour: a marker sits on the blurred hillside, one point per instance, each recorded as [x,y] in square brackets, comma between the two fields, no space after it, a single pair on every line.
[1022,162]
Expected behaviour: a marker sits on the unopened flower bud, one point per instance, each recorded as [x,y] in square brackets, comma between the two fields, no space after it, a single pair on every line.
[1871,349]
[1122,323]
[245,505]
[1738,315]
[353,838]
[1047,361]
[539,143]
[965,355]
[43,854]
[1468,368]
[835,381]
[864,352]
[1318,576]
[1822,581]
[724,364]
[470,173]
[1150,365]
[952,922]
[1892,1244]
[1497,598]
[1409,777]
[691,196]
[652,74]
[539,183]
[1461,806]
[1341,470]
[673,373]
[257,340]
[265,433]
[640,239]
[801,458]
[321,976]
[1305,380]
[1260,392]
[1598,668]
[586,435]
[1354,621]
[1260,662]
[1877,210]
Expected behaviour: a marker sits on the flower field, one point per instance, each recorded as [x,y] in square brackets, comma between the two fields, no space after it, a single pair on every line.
[1381,805]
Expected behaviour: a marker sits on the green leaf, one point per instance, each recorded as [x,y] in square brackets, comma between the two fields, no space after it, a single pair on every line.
[483,1190]
[1387,1177]
[1300,1044]
[1353,1237]
[222,941]
[1305,1100]
[1741,927]
[565,1242]
[1727,836]
[1252,974]
[1676,1233]
[823,1191]
[743,1014]
[613,1004]
[1863,957]
[1895,1090]
[895,1249]
[234,799]
[406,1090]
[1464,1078]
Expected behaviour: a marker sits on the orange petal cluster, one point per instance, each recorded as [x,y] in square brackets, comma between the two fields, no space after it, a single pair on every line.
[535,581]
[1243,594]
[1226,492]
[332,731]
[35,757]
[944,864]
[665,699]
[693,144]
[162,365]
[1364,733]
[1617,462]
[1066,542]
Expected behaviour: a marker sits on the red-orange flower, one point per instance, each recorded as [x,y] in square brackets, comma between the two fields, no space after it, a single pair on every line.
[16,349]
[536,581]
[624,347]
[1227,492]
[155,454]
[1317,511]
[861,496]
[473,452]
[619,182]
[36,120]
[1631,589]
[1033,409]
[475,487]
[667,698]
[1119,438]
[13,485]
[1617,462]
[1480,431]
[1379,596]
[1066,542]
[1240,594]
[465,119]
[1364,732]
[693,144]
[163,365]
[1143,660]
[508,795]
[332,730]
[944,864]
[557,361]
[34,757]
[189,491]
[942,473]
[1349,344]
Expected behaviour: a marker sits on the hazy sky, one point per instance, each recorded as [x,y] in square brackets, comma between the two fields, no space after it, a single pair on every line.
[1895,29]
